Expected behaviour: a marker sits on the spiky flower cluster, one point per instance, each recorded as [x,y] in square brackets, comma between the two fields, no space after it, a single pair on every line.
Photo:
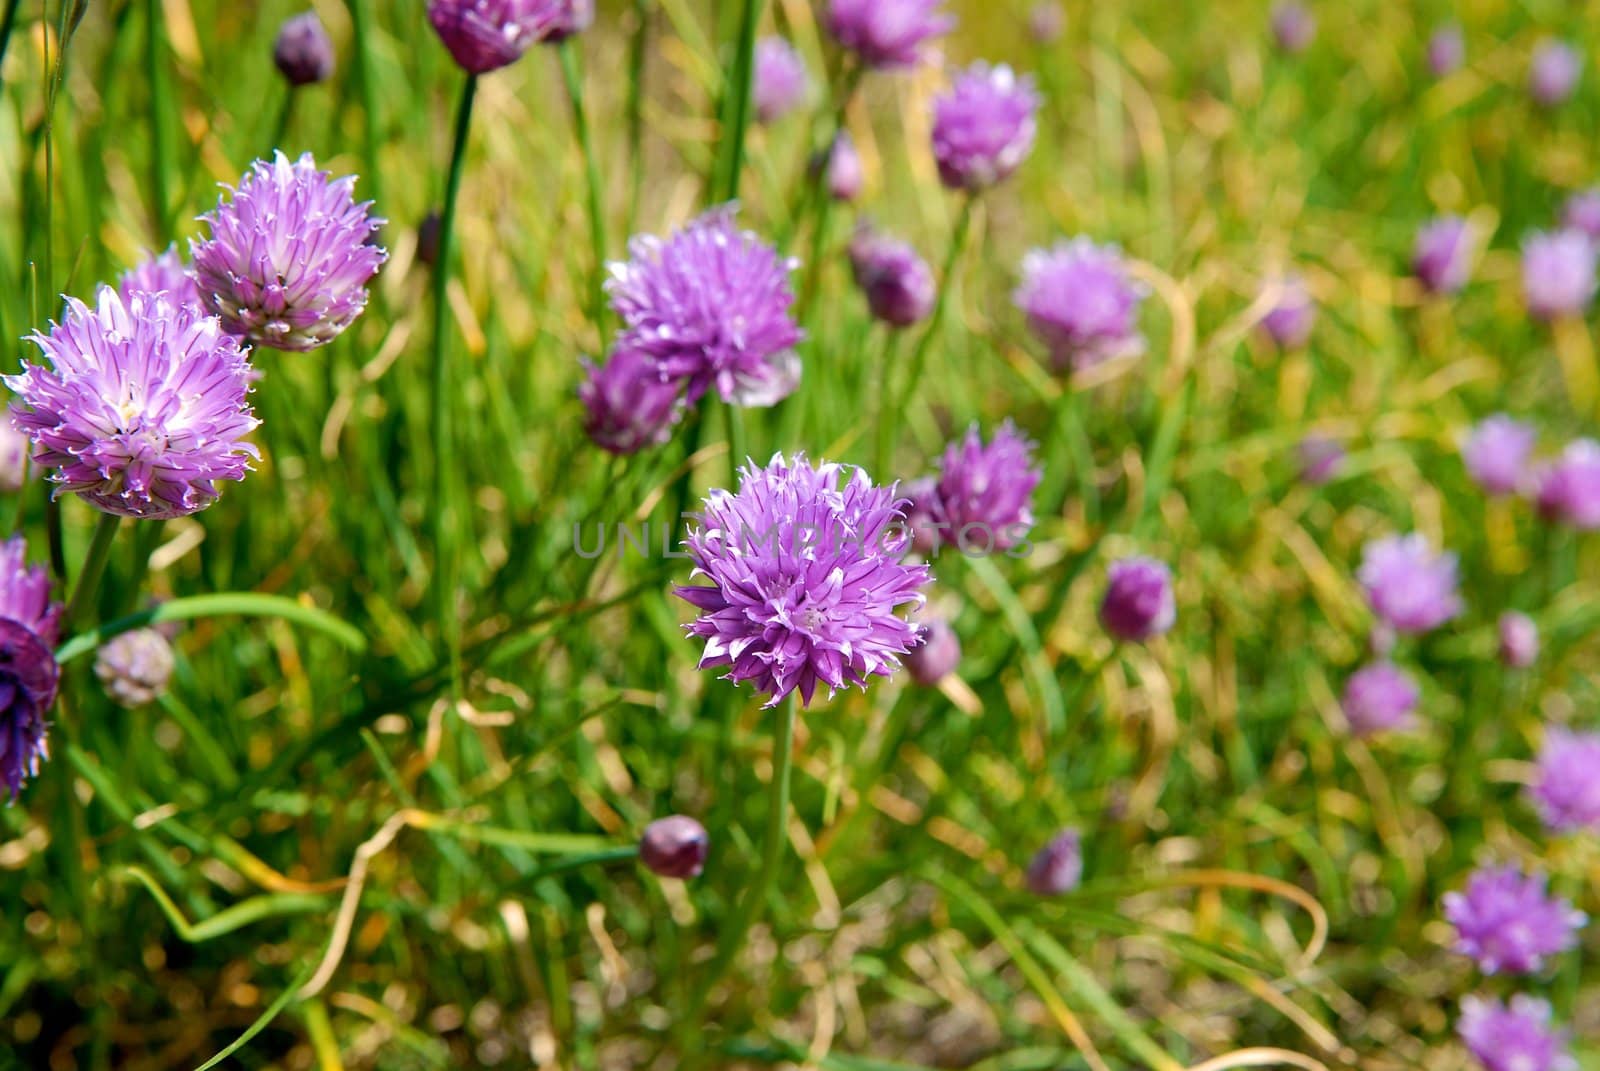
[289,258]
[888,34]
[29,628]
[1411,587]
[1139,603]
[710,306]
[163,272]
[983,127]
[806,581]
[1080,301]
[485,35]
[980,500]
[1506,921]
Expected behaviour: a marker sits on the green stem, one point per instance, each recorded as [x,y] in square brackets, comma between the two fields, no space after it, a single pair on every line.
[285,117]
[814,168]
[736,448]
[573,74]
[218,604]
[160,108]
[919,356]
[736,104]
[635,107]
[446,550]
[884,449]
[94,566]
[360,21]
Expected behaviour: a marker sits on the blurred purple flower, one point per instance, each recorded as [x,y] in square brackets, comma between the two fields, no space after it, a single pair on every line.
[1558,273]
[25,593]
[1379,697]
[1519,640]
[781,81]
[983,127]
[630,407]
[143,406]
[1321,458]
[135,666]
[163,272]
[1497,453]
[303,52]
[937,653]
[844,169]
[288,262]
[485,35]
[15,448]
[1057,868]
[1139,602]
[674,847]
[1046,22]
[980,501]
[1288,323]
[1506,921]
[806,579]
[1079,299]
[710,304]
[1442,260]
[1408,584]
[1447,50]
[888,34]
[898,284]
[1582,213]
[1294,27]
[1518,1037]
[1568,488]
[1553,72]
[29,629]
[1565,790]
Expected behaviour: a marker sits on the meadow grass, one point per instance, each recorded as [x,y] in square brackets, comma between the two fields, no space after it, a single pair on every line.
[382,823]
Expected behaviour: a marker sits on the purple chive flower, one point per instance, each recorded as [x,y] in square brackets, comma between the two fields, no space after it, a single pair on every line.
[142,408]
[485,35]
[159,273]
[981,499]
[1568,488]
[1447,50]
[898,284]
[1553,72]
[288,261]
[1505,920]
[983,127]
[1288,323]
[1046,22]
[1514,1037]
[29,628]
[1139,602]
[781,81]
[1497,453]
[888,34]
[15,448]
[806,579]
[1519,640]
[1565,790]
[1080,301]
[630,406]
[1294,27]
[1442,259]
[1378,698]
[1558,273]
[937,653]
[711,306]
[1057,868]
[844,169]
[135,666]
[1321,458]
[674,847]
[1582,213]
[1409,586]
[303,52]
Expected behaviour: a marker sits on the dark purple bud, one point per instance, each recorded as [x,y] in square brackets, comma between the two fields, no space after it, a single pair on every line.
[428,239]
[303,52]
[937,655]
[1139,602]
[898,284]
[1058,866]
[674,847]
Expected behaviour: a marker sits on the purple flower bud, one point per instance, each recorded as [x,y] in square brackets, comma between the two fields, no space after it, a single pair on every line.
[1517,1037]
[428,239]
[1443,256]
[983,127]
[1321,458]
[630,406]
[1408,585]
[1288,323]
[981,500]
[1568,489]
[29,628]
[936,655]
[1046,22]
[15,448]
[1505,921]
[1057,868]
[1582,213]
[1565,790]
[674,847]
[888,34]
[1558,273]
[485,35]
[303,52]
[1294,27]
[1378,698]
[781,81]
[844,169]
[1553,72]
[1081,303]
[160,273]
[898,284]
[1447,50]
[134,667]
[1139,602]
[1519,640]
[1497,454]
[287,263]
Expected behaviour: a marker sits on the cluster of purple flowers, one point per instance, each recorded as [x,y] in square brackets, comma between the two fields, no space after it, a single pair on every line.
[1565,489]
